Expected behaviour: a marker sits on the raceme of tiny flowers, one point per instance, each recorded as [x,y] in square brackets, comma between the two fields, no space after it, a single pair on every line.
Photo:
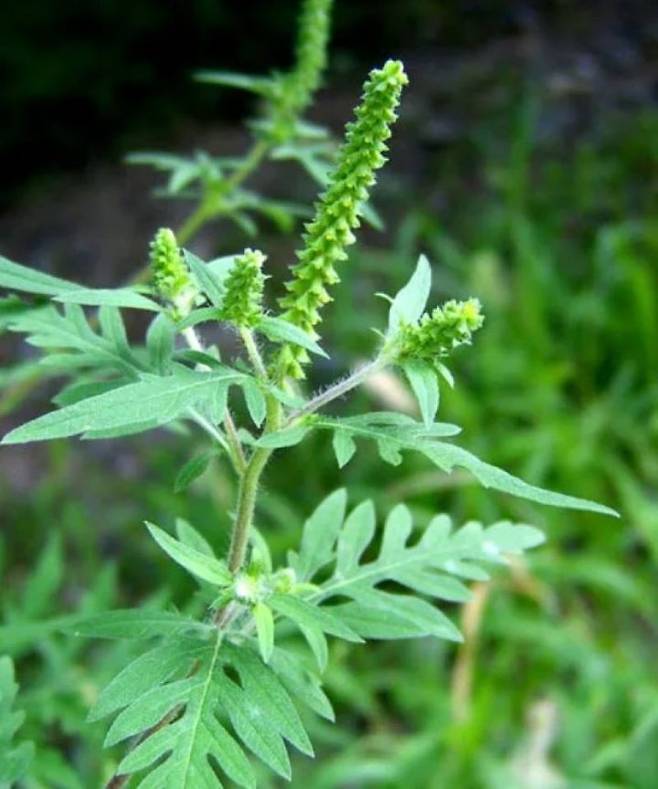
[298,87]
[243,295]
[337,211]
[437,333]
[171,277]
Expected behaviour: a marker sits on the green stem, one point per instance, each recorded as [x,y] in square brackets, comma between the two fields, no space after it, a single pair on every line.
[253,353]
[339,389]
[248,492]
[194,222]
[258,152]
[212,205]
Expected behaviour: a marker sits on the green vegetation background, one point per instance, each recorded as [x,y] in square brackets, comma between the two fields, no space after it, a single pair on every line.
[531,181]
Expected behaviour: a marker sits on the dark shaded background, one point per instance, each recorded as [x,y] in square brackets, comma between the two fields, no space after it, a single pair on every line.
[83,81]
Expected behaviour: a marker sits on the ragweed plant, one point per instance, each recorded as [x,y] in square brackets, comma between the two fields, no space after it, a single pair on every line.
[207,693]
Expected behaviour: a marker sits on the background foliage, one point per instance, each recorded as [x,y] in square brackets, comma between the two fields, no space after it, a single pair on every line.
[536,194]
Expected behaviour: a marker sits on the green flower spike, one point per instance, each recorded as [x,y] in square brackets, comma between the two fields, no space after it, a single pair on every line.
[243,295]
[337,211]
[171,278]
[438,332]
[311,51]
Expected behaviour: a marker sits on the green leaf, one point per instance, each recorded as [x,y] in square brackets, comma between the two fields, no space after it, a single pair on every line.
[264,629]
[318,644]
[190,536]
[447,456]
[395,433]
[15,758]
[255,732]
[193,469]
[307,614]
[159,398]
[199,564]
[304,685]
[49,328]
[229,79]
[344,447]
[160,339]
[209,282]
[119,297]
[13,276]
[319,535]
[409,303]
[381,615]
[172,657]
[283,438]
[134,623]
[355,536]
[422,379]
[255,400]
[280,330]
[430,566]
[75,392]
[266,691]
[200,315]
[180,751]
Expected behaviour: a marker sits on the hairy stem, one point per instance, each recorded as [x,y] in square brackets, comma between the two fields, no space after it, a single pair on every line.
[248,492]
[339,389]
[253,353]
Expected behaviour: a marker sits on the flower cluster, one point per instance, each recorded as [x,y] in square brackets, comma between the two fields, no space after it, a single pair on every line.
[337,211]
[243,295]
[171,278]
[314,24]
[438,332]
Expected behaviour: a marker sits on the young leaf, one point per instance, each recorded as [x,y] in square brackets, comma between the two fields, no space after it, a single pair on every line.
[264,630]
[160,338]
[280,330]
[422,379]
[283,438]
[190,536]
[409,303]
[344,447]
[195,562]
[209,282]
[193,469]
[255,400]
[230,79]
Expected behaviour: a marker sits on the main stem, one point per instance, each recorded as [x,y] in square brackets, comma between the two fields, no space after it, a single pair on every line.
[248,492]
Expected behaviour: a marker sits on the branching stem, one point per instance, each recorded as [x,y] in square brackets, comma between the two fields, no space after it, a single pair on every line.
[339,389]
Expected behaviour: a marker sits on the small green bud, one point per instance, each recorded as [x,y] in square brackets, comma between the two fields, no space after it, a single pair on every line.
[337,211]
[171,278]
[438,332]
[243,296]
[247,588]
[285,580]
